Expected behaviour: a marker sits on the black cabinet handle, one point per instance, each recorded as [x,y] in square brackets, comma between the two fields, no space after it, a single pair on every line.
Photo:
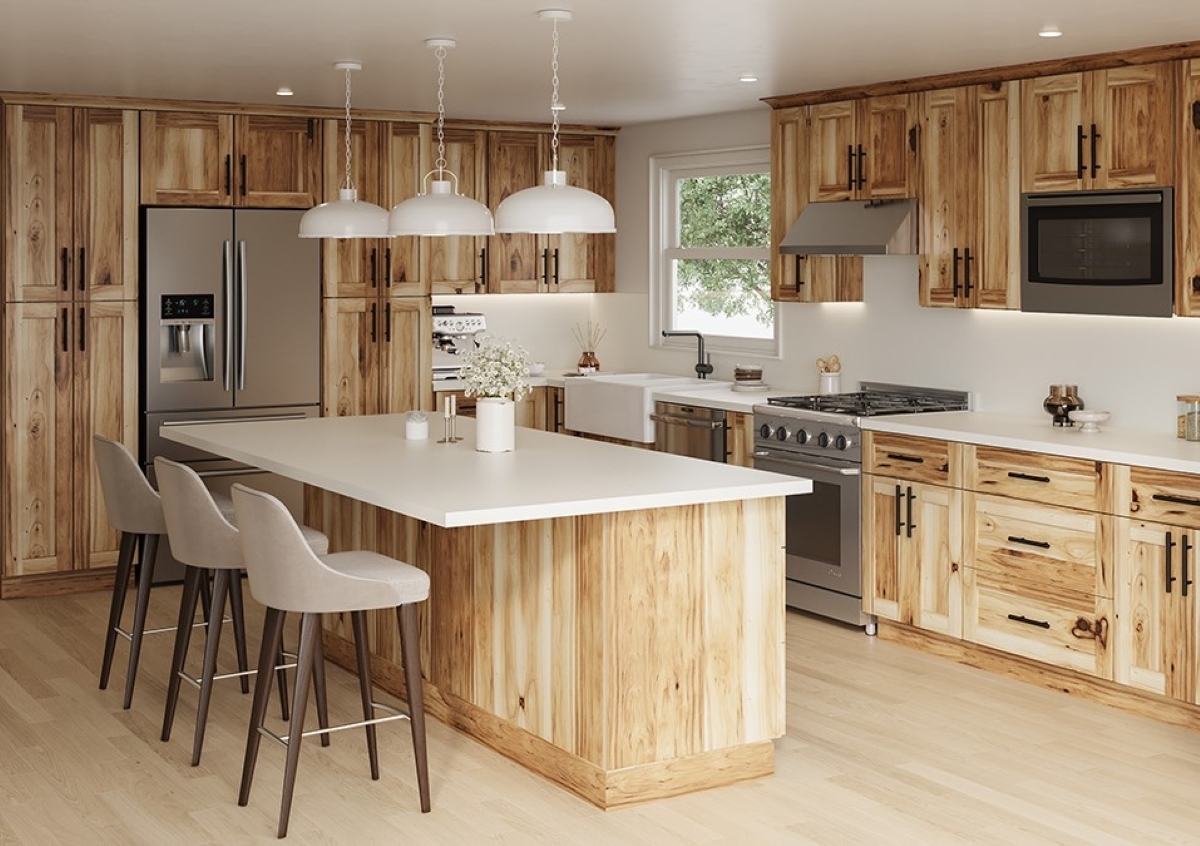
[483,269]
[1079,151]
[387,323]
[556,266]
[914,132]
[1025,477]
[800,275]
[899,522]
[1168,578]
[1196,114]
[955,259]
[387,267]
[1095,138]
[82,268]
[82,329]
[1041,624]
[911,525]
[228,173]
[850,167]
[912,459]
[1028,542]
[242,176]
[862,155]
[374,315]
[546,267]
[1186,547]
[64,330]
[374,266]
[66,268]
[967,259]
[1178,500]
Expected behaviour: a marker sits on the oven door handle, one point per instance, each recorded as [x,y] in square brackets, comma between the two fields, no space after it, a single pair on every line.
[810,465]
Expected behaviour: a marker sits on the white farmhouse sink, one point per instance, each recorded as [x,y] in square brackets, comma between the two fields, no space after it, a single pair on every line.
[618,405]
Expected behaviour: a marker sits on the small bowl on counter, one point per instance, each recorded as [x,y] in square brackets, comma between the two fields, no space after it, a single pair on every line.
[1088,420]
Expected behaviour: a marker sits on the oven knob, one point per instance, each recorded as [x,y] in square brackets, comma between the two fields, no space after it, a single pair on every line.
[841,442]
[802,436]
[822,440]
[782,434]
[765,431]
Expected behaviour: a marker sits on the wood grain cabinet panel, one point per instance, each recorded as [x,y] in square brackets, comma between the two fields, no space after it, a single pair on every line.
[789,196]
[1187,193]
[911,459]
[1162,496]
[459,264]
[278,161]
[863,149]
[1052,479]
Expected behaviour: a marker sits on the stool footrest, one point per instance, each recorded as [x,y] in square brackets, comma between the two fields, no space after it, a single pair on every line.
[195,681]
[162,629]
[396,714]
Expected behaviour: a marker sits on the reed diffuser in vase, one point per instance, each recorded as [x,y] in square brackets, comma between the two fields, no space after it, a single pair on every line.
[588,339]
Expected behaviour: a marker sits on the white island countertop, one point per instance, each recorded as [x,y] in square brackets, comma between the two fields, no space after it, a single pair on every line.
[1159,450]
[547,475]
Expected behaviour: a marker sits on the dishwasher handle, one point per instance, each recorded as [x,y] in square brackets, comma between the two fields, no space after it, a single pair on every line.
[696,423]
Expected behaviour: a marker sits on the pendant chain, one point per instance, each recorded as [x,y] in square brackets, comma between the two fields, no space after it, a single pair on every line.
[348,184]
[440,164]
[555,108]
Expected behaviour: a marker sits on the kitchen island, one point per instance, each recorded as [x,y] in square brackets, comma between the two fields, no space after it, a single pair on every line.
[610,618]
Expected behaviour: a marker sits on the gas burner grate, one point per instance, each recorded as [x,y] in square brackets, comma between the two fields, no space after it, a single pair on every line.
[869,403]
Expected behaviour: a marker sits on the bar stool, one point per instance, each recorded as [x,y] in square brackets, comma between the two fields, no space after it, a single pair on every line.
[204,539]
[135,509]
[286,576]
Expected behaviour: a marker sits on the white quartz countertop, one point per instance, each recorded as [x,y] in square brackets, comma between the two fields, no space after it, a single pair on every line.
[724,398]
[1159,450]
[547,475]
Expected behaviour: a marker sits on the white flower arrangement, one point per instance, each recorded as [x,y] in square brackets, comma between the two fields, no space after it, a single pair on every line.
[497,368]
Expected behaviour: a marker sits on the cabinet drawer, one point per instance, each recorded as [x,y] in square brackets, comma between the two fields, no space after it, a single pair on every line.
[1060,549]
[1164,497]
[1073,482]
[908,458]
[1019,618]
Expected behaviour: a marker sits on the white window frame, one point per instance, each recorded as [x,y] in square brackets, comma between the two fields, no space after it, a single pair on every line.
[665,173]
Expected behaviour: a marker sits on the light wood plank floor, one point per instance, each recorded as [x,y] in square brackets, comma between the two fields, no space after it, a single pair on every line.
[883,744]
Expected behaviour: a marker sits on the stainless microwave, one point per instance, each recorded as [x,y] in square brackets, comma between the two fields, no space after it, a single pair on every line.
[1098,252]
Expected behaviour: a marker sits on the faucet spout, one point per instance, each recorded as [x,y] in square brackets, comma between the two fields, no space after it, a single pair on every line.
[703,368]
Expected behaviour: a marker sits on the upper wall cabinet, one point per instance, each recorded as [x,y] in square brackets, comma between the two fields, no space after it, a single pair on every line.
[201,159]
[458,263]
[864,149]
[70,204]
[1187,194]
[969,197]
[1102,129]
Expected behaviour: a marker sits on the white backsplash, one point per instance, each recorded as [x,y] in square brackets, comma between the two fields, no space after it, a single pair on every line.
[541,323]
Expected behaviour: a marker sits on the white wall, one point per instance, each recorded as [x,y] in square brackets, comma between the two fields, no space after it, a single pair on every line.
[1131,366]
[541,323]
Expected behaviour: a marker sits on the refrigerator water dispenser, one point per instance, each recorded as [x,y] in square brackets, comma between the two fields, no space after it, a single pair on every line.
[186,329]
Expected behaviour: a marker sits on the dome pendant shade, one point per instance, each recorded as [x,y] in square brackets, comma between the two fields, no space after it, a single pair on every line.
[441,211]
[345,217]
[555,208]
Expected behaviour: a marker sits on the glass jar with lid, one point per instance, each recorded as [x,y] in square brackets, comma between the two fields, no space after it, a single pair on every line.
[1188,421]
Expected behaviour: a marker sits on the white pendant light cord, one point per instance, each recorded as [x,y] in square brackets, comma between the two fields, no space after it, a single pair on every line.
[555,108]
[347,183]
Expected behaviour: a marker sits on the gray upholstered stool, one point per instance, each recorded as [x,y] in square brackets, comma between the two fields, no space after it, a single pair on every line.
[204,539]
[286,576]
[135,509]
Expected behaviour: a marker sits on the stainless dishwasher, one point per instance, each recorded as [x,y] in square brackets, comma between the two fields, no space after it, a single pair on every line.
[689,430]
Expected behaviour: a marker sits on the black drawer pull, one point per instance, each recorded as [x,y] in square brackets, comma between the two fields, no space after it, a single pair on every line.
[1041,624]
[1025,477]
[914,459]
[1178,500]
[1028,542]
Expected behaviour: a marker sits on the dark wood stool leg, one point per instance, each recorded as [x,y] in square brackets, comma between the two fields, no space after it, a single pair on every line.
[272,633]
[117,608]
[319,683]
[310,634]
[281,678]
[410,646]
[183,638]
[364,685]
[145,577]
[206,593]
[212,643]
[237,610]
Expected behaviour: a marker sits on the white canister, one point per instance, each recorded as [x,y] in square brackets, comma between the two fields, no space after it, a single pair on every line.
[416,426]
[831,383]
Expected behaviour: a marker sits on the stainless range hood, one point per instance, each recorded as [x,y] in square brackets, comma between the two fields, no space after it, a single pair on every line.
[854,228]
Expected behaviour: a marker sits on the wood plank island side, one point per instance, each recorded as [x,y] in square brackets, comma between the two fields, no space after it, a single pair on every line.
[626,655]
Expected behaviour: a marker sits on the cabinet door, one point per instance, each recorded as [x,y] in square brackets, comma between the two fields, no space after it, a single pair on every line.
[406,372]
[278,161]
[403,165]
[1052,117]
[38,197]
[1133,109]
[582,262]
[352,267]
[518,262]
[351,368]
[994,263]
[789,195]
[882,527]
[831,279]
[459,265]
[39,438]
[740,439]
[187,159]
[888,158]
[1187,195]
[106,204]
[1157,622]
[106,387]
[947,204]
[832,151]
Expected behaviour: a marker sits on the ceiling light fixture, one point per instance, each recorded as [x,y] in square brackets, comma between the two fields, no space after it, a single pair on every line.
[284,91]
[555,207]
[347,216]
[440,210]
[747,77]
[1050,31]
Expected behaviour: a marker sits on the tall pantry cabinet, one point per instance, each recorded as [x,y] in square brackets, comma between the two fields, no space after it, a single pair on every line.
[70,181]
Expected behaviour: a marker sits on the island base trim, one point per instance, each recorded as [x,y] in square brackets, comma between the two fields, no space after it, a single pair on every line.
[604,789]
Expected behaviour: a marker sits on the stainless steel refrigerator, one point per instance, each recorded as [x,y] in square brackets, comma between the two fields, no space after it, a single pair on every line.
[230,331]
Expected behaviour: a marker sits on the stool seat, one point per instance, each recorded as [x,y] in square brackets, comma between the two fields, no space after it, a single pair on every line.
[372,581]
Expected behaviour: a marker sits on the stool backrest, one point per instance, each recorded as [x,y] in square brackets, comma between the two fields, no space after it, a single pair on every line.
[132,504]
[200,535]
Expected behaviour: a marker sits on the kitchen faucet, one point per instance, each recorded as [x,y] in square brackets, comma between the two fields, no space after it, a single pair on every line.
[703,368]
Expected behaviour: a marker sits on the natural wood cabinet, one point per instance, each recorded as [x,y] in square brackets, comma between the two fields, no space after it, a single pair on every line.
[532,411]
[969,197]
[459,264]
[1187,193]
[70,204]
[71,373]
[208,159]
[864,149]
[739,436]
[1101,129]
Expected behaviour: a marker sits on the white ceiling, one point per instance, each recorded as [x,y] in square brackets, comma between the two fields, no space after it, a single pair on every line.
[621,62]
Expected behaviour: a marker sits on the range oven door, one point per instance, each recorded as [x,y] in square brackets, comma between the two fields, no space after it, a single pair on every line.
[822,529]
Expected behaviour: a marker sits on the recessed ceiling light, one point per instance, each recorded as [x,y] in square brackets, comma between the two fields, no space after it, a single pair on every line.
[285,92]
[747,77]
[1050,31]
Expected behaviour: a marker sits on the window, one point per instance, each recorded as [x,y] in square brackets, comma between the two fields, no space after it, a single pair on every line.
[711,255]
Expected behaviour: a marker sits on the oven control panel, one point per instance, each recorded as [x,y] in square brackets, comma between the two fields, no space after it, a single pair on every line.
[794,436]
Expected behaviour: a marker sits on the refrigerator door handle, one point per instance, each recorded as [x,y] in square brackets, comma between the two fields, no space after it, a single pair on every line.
[228,328]
[242,315]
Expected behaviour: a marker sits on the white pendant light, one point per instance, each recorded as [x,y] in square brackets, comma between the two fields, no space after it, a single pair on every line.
[440,210]
[554,207]
[347,216]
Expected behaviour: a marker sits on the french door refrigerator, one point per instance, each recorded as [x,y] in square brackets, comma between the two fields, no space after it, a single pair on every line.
[230,331]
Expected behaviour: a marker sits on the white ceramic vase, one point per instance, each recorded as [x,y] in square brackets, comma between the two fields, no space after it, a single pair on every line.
[495,424]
